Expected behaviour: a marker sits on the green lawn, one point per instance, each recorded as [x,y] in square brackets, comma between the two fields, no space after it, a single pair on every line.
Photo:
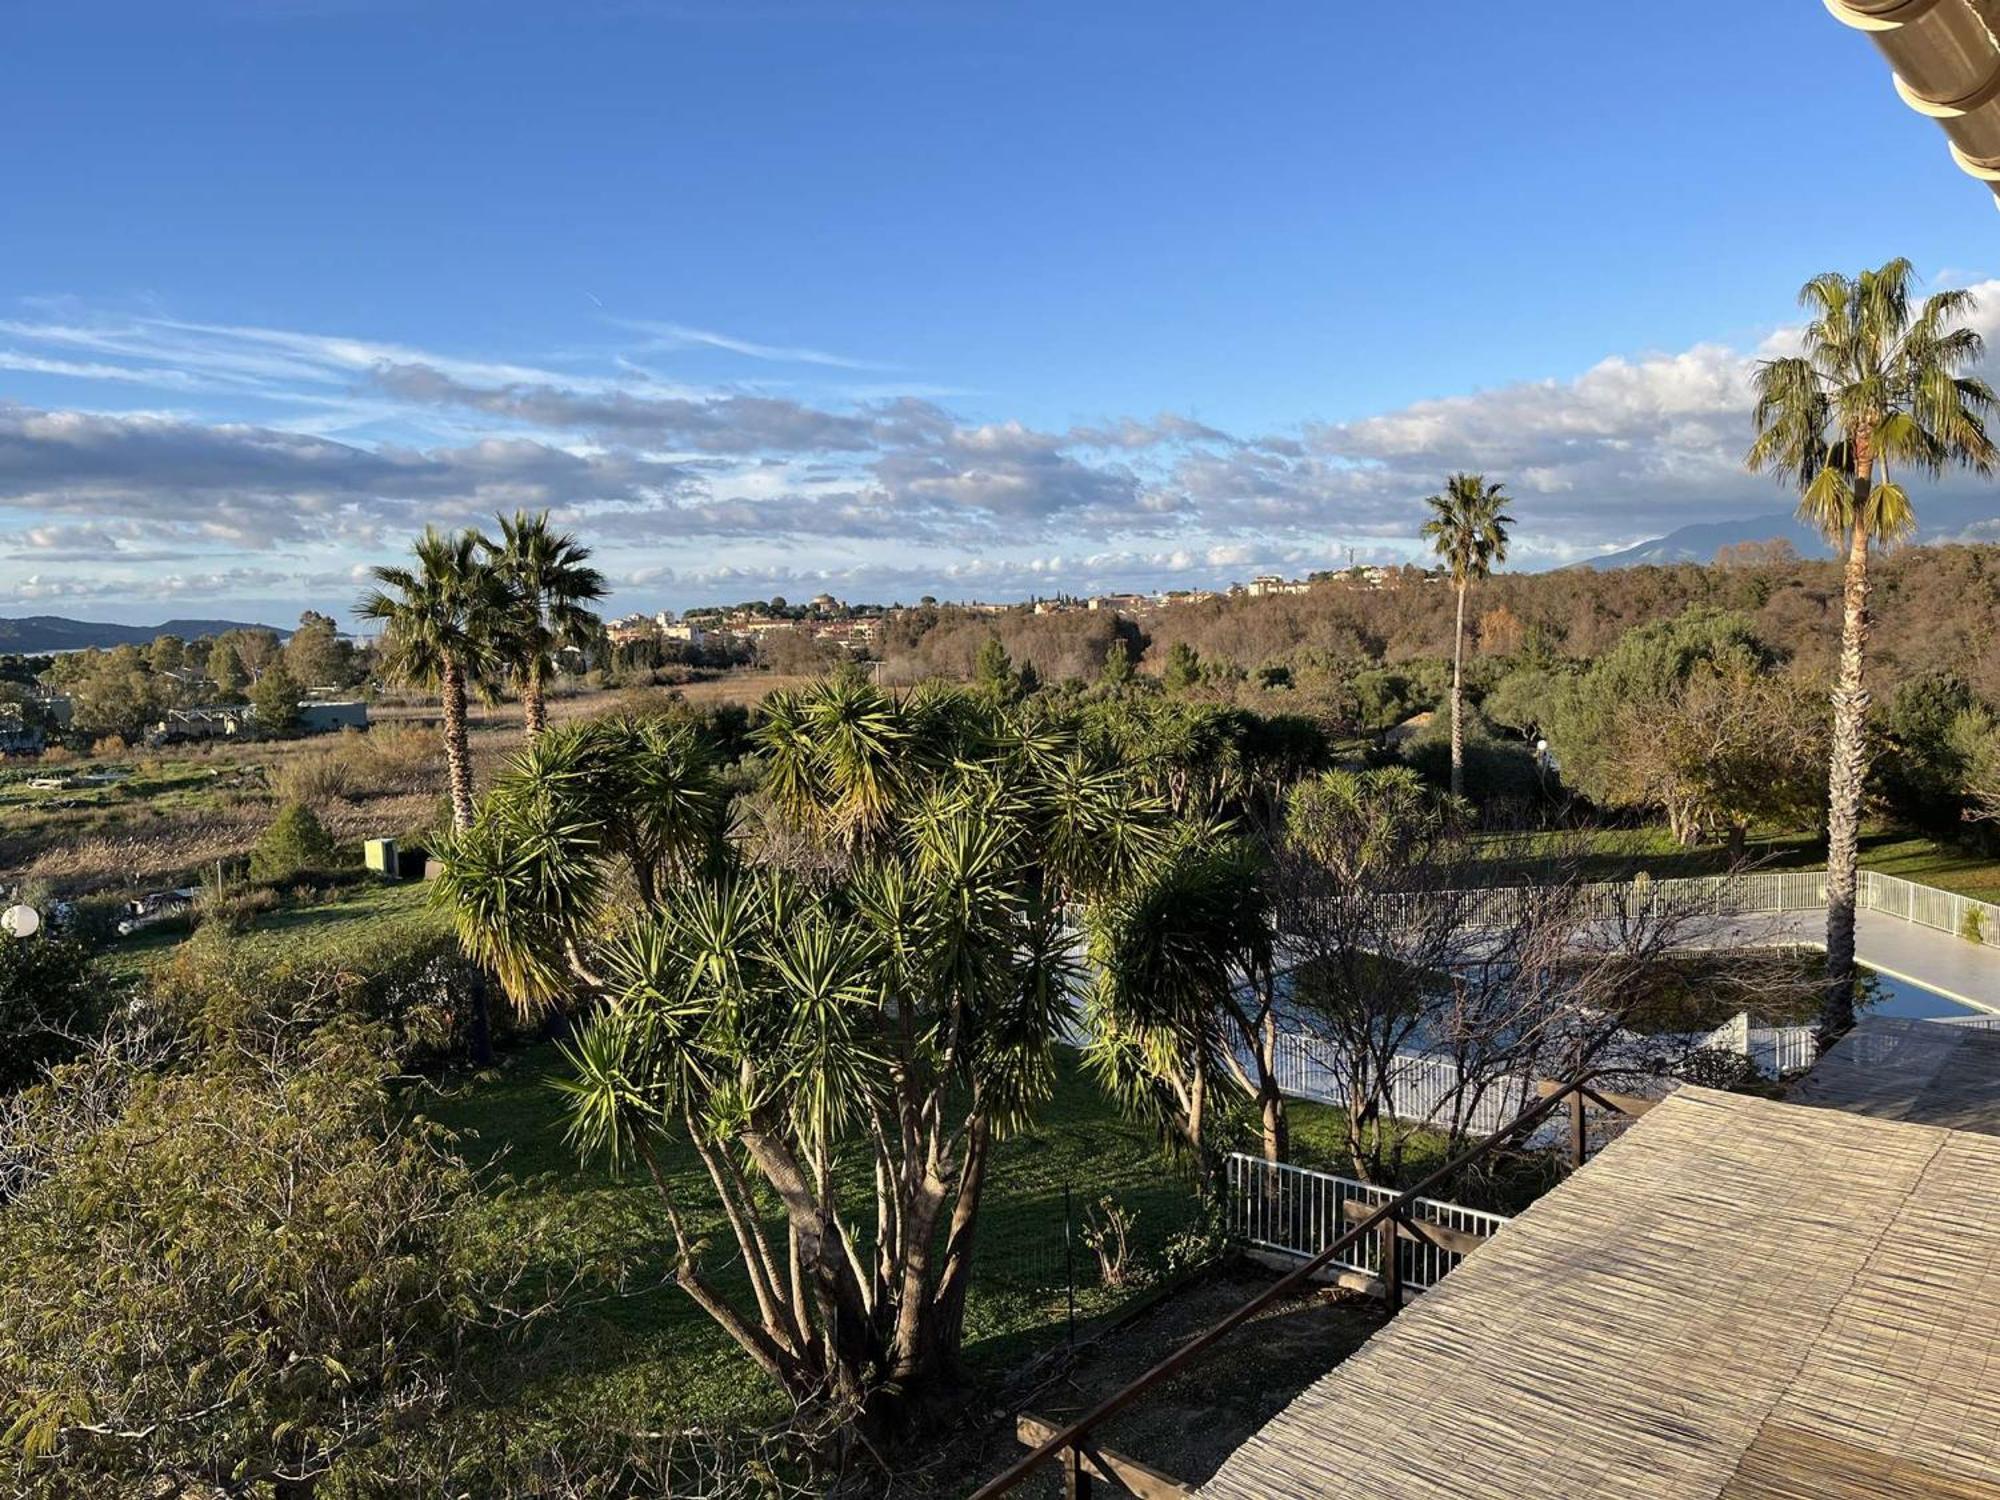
[652,1357]
[1616,852]
[297,924]
[302,925]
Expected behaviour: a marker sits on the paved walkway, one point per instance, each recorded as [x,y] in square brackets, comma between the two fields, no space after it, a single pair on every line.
[1940,961]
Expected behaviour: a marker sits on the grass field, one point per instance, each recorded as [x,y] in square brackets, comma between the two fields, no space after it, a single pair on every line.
[163,815]
[300,922]
[651,1356]
[1616,852]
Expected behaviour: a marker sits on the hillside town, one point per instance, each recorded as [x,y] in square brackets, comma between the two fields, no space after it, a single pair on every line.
[856,627]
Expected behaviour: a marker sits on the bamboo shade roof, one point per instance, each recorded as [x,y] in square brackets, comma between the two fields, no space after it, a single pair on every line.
[1738,1299]
[1911,1070]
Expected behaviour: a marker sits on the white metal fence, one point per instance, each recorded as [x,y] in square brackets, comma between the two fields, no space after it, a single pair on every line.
[1927,906]
[1977,1023]
[1422,1089]
[1299,1212]
[1778,1051]
[1774,1051]
[1760,893]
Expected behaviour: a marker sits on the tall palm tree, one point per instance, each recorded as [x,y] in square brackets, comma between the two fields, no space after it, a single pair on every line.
[1468,529]
[552,586]
[1880,381]
[446,623]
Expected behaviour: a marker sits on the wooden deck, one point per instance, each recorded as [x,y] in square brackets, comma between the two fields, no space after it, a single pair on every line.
[1911,1070]
[1739,1298]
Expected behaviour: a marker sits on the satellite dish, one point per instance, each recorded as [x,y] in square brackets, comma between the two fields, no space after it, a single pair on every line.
[20,921]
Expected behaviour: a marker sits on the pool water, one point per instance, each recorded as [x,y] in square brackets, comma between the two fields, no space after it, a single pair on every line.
[1886,995]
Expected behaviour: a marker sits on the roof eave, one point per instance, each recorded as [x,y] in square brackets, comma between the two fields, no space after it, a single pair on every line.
[1946,59]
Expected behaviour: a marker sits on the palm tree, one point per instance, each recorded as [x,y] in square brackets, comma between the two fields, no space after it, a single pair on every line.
[552,587]
[1879,382]
[1468,529]
[446,624]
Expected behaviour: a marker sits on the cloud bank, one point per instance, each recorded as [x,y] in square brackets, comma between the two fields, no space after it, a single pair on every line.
[278,464]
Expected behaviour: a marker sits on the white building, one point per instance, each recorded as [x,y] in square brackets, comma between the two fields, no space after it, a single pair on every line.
[1266,584]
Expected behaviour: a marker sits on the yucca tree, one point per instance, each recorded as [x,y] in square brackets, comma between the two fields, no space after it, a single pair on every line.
[553,587]
[1184,1012]
[445,624]
[1468,529]
[844,1034]
[1881,385]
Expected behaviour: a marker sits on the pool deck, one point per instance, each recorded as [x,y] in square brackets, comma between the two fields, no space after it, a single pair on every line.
[1959,970]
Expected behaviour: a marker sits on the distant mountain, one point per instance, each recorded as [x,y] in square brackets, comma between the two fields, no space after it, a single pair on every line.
[1699,543]
[32,634]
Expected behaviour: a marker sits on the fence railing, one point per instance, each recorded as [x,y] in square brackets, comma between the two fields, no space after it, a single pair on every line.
[1298,1212]
[1927,906]
[1422,1089]
[1773,1051]
[1778,1051]
[1069,1447]
[1759,893]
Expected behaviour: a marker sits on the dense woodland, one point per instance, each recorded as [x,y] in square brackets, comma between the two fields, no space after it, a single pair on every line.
[1693,694]
[1936,608]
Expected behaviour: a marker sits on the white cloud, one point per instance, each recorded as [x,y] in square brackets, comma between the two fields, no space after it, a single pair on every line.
[369,439]
[667,336]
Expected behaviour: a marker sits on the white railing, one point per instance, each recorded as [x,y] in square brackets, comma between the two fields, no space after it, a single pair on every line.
[1299,1212]
[1773,1050]
[1759,893]
[1422,1089]
[1977,1023]
[1927,906]
[1778,1051]
[1756,894]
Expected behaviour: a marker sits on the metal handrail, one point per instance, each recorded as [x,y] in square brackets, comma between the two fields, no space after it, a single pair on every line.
[1575,1092]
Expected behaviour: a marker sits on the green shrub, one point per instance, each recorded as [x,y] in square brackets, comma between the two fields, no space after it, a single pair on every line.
[295,842]
[257,1265]
[314,780]
[1500,775]
[1973,928]
[50,996]
[406,977]
[233,908]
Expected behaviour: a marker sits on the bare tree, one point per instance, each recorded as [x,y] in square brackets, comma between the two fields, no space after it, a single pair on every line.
[1423,989]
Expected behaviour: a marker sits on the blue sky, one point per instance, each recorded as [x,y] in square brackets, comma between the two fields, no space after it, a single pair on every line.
[894,298]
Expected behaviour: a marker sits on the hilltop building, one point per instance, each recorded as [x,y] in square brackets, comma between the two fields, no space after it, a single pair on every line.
[1265,585]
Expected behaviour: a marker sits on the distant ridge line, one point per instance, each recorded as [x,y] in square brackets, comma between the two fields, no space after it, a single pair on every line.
[33,635]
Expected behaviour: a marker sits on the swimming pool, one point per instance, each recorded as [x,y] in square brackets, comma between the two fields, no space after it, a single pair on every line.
[1886,995]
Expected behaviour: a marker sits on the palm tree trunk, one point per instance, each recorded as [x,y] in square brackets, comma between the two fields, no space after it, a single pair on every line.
[534,706]
[457,752]
[1271,1098]
[1458,698]
[1847,774]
